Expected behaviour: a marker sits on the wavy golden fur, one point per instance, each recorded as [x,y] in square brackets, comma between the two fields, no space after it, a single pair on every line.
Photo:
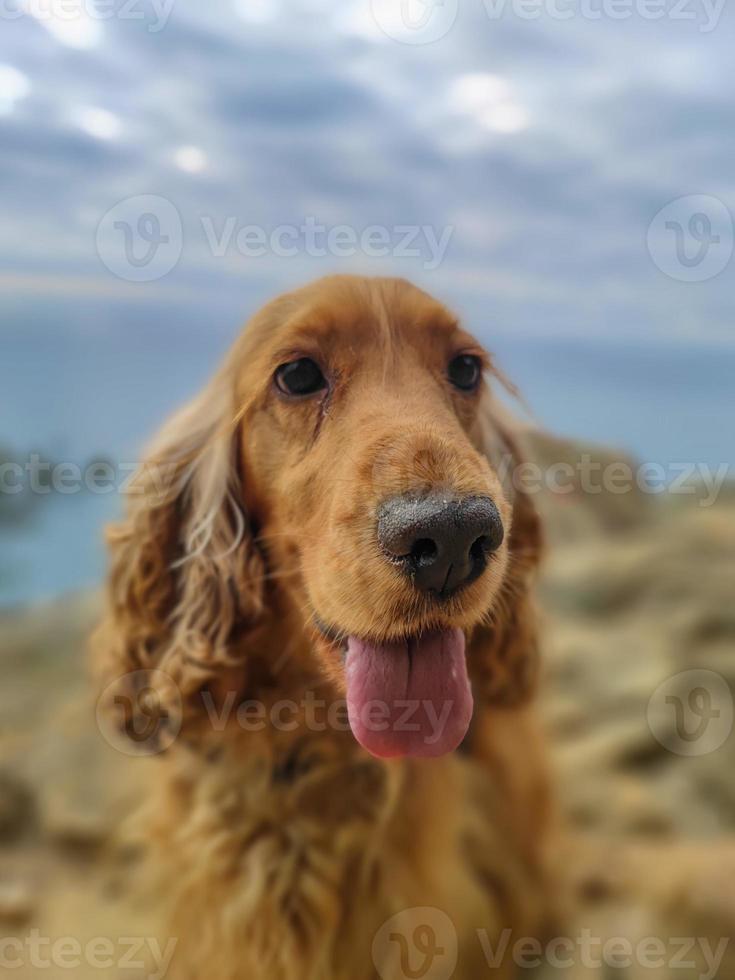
[288,845]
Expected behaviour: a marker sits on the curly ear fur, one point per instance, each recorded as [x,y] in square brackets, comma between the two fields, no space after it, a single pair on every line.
[504,653]
[185,580]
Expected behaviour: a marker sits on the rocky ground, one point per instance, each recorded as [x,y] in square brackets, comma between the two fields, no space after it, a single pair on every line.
[636,590]
[638,598]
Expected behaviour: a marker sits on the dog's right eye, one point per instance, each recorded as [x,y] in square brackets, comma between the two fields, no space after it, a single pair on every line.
[301,377]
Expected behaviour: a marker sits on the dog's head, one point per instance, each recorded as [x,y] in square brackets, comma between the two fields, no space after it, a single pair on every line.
[338,470]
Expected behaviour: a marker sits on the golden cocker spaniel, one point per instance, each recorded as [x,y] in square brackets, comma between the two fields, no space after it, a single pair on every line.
[325,582]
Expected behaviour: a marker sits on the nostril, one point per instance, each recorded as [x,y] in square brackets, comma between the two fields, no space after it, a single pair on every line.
[424,551]
[481,548]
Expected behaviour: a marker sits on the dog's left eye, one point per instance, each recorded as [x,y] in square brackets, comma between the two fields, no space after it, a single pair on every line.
[465,371]
[301,377]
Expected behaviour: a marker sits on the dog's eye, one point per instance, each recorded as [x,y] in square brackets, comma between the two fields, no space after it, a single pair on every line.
[301,377]
[465,371]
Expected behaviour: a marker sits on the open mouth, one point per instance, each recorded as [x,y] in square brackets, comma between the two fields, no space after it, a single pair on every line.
[409,697]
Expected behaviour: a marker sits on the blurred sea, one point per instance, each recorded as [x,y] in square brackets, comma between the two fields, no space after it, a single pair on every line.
[101,389]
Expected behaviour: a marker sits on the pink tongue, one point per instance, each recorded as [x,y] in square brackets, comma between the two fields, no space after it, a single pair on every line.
[410,698]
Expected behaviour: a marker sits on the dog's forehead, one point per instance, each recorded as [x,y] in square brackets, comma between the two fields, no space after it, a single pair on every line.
[371,317]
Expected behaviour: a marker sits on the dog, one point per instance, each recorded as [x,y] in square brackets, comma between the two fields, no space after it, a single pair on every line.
[324,586]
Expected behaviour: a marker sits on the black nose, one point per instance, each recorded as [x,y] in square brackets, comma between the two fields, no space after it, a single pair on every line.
[442,543]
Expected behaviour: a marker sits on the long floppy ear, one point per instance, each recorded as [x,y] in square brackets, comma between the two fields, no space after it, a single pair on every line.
[505,651]
[186,579]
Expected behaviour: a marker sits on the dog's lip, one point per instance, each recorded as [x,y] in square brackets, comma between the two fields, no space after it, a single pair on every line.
[338,637]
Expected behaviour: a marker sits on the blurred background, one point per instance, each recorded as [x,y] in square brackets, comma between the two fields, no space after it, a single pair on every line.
[560,172]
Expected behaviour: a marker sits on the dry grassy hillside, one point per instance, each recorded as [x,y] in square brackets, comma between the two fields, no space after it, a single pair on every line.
[636,589]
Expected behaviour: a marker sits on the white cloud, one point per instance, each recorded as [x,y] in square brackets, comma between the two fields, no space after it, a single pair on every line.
[70,22]
[257,11]
[508,117]
[190,159]
[488,100]
[356,20]
[97,122]
[14,85]
[477,91]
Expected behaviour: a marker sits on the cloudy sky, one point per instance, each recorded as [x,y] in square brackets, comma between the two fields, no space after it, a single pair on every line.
[561,171]
[541,137]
